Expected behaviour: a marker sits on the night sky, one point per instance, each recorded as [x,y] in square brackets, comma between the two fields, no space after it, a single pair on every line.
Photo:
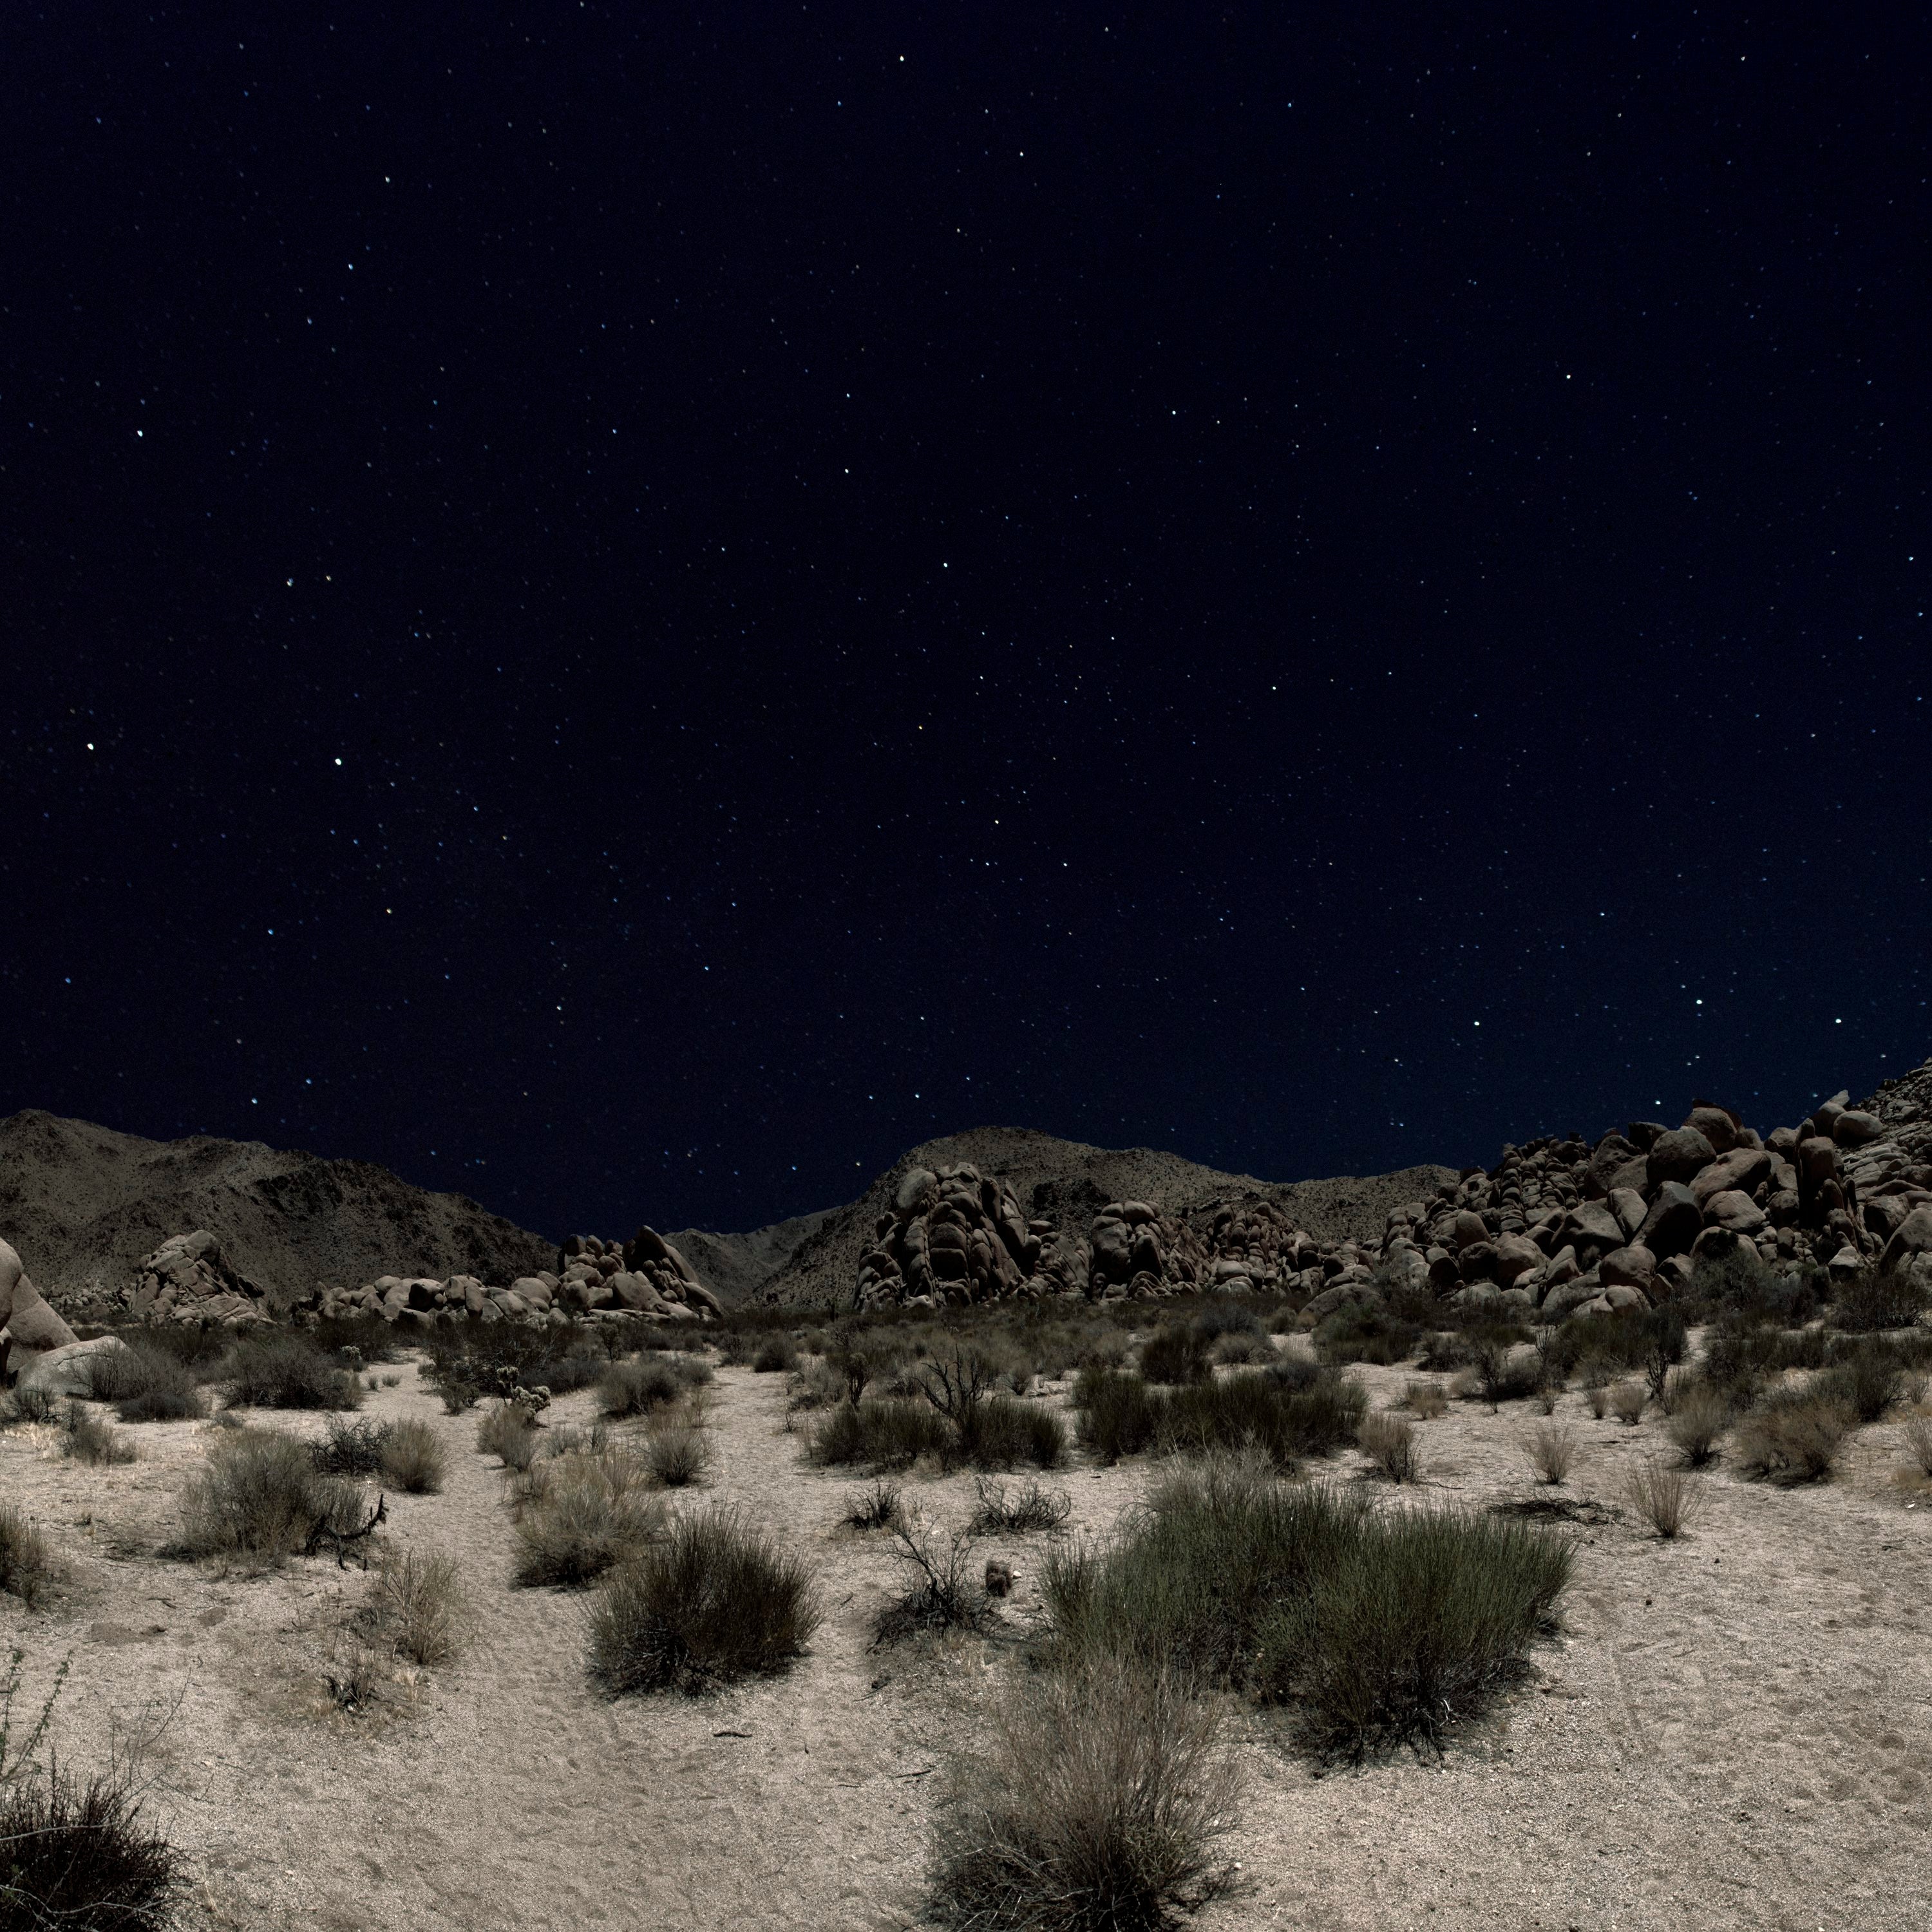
[630,610]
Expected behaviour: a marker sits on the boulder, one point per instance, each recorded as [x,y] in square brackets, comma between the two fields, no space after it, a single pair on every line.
[1718,1125]
[1627,1205]
[1631,1267]
[1736,1210]
[26,1322]
[1745,1168]
[1516,1255]
[68,1369]
[1912,1238]
[1678,1155]
[1855,1127]
[1673,1221]
[189,1278]
[1570,1296]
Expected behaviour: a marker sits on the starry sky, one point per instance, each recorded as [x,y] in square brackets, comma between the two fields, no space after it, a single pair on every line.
[630,610]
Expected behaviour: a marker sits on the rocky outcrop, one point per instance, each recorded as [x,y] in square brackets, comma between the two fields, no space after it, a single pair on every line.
[26,1322]
[188,1278]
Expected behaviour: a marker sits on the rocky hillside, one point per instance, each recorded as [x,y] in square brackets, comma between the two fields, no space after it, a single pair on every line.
[1067,1183]
[86,1206]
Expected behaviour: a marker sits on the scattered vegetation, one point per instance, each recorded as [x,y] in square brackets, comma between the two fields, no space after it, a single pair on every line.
[78,1853]
[775,1356]
[1698,1421]
[414,1459]
[508,1430]
[1792,1436]
[876,1507]
[260,1498]
[1293,1409]
[87,1438]
[1425,1400]
[1871,1301]
[712,1601]
[349,1448]
[942,1594]
[146,1382]
[640,1384]
[1355,1333]
[1627,1403]
[420,1600]
[677,1455]
[1918,1444]
[1095,1807]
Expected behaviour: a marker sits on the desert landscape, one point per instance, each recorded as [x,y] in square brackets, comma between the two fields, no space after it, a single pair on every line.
[1551,1553]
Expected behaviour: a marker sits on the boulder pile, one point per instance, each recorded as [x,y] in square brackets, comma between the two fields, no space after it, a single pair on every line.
[643,1280]
[26,1322]
[1559,1224]
[189,1279]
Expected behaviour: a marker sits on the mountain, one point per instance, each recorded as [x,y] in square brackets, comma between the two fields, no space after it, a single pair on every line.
[85,1206]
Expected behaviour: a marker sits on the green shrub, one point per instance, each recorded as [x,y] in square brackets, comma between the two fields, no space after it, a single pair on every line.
[1357,1333]
[1378,1626]
[1420,1616]
[713,1602]
[1175,1353]
[146,1382]
[1095,1807]
[414,1459]
[286,1371]
[1285,1414]
[887,1434]
[507,1429]
[1002,1432]
[1116,1412]
[1865,1382]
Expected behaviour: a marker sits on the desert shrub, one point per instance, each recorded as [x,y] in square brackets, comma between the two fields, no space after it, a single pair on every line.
[1459,1347]
[1095,1807]
[286,1371]
[1505,1372]
[1269,1411]
[1002,1432]
[1115,1412]
[1357,1333]
[1627,1403]
[1792,1436]
[349,1448]
[413,1458]
[1175,1352]
[776,1356]
[27,1565]
[889,1434]
[1864,1383]
[1597,1399]
[146,1382]
[1620,1340]
[1741,1286]
[85,1437]
[876,1507]
[712,1602]
[1389,1441]
[28,1406]
[1665,1337]
[1425,1399]
[79,1853]
[1013,1512]
[1420,1616]
[420,1599]
[506,1429]
[581,1515]
[941,1593]
[1872,1300]
[1917,1443]
[260,1498]
[677,1457]
[1378,1626]
[1551,1449]
[1666,1498]
[638,1386]
[1697,1423]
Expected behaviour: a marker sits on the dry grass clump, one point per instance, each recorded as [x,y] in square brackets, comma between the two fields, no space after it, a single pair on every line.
[282,1370]
[349,1448]
[942,1594]
[1918,1443]
[420,1599]
[1627,1403]
[508,1430]
[413,1458]
[877,1506]
[1029,1507]
[1294,1409]
[582,1515]
[677,1455]
[26,1561]
[1699,1417]
[1551,1449]
[1792,1436]
[260,1499]
[1389,1441]
[85,1437]
[1596,1395]
[1425,1400]
[1666,1498]
[711,1602]
[1095,1807]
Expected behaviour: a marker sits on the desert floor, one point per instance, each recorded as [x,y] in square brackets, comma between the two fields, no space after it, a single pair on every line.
[1733,1730]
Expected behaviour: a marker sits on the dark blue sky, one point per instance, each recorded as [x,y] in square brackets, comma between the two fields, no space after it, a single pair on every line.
[630,610]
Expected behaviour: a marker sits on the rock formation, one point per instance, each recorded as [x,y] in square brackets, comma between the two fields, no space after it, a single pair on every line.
[26,1322]
[189,1279]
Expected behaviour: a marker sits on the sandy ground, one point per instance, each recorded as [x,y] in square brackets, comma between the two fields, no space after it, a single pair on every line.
[1735,1729]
